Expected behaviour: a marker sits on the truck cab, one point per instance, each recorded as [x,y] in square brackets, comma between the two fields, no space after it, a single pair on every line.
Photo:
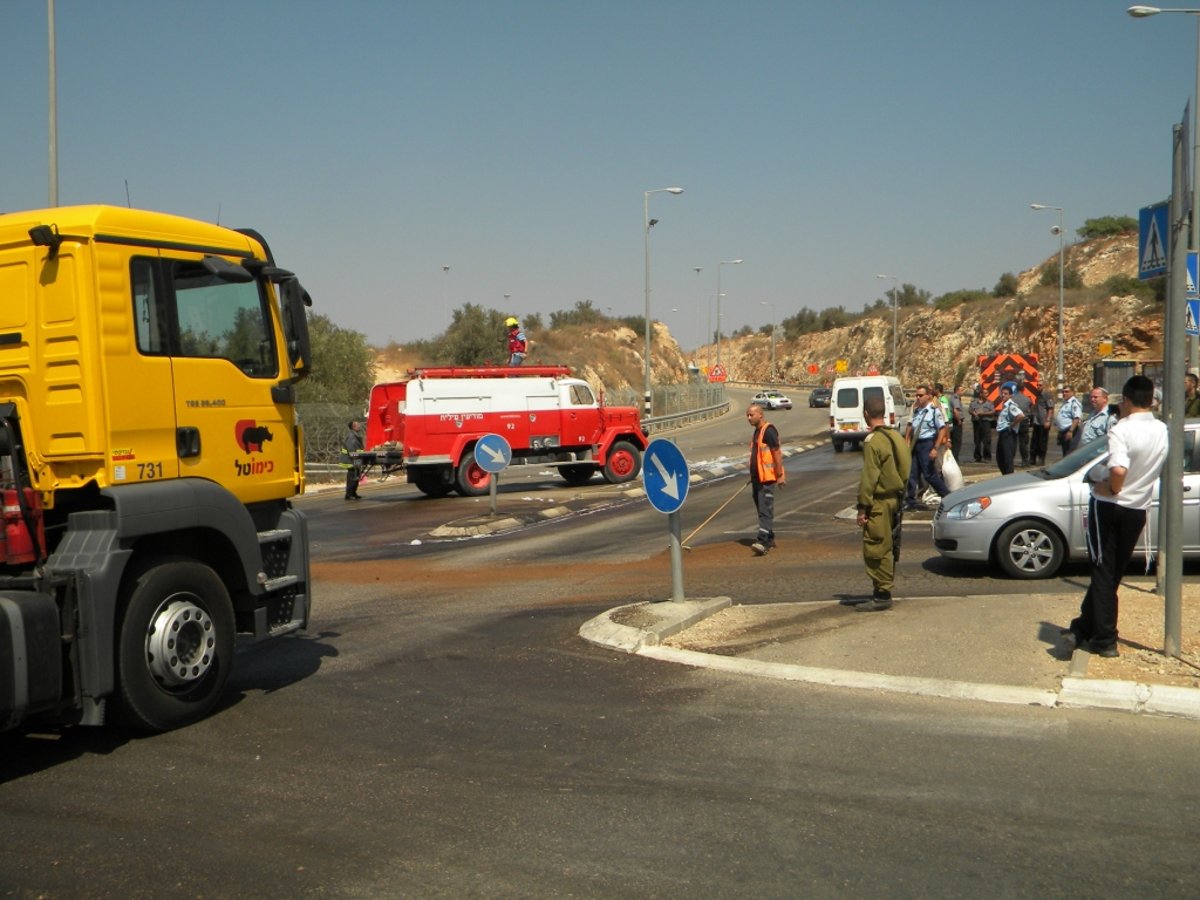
[148,432]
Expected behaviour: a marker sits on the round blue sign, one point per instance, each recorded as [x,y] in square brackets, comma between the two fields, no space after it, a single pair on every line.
[492,453]
[665,475]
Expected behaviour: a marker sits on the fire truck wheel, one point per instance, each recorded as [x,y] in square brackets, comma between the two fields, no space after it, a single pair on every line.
[432,484]
[175,645]
[471,480]
[576,475]
[623,463]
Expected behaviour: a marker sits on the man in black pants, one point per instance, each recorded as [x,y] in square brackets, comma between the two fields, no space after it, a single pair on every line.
[1121,493]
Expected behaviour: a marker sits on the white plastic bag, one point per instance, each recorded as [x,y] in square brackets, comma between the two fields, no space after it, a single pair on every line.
[951,473]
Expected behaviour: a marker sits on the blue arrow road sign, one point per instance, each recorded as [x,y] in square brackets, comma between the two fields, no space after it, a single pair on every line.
[1152,241]
[492,453]
[665,475]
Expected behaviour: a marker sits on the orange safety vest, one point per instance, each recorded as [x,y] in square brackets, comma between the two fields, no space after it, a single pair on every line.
[762,456]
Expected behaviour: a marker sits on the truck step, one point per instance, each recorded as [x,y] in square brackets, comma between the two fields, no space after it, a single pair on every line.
[275,534]
[274,584]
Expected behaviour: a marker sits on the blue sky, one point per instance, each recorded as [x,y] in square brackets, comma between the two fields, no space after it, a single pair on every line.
[374,143]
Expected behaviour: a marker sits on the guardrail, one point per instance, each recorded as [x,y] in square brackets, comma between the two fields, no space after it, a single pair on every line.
[678,420]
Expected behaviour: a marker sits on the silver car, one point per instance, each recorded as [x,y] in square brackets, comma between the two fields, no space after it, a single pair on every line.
[772,400]
[1029,523]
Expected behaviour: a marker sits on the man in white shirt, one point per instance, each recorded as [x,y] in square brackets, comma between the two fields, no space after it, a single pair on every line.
[1137,448]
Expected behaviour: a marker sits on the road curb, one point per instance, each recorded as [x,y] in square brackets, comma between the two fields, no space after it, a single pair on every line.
[646,625]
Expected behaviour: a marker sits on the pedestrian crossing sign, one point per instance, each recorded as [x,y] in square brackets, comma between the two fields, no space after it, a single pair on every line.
[1191,276]
[1152,236]
[1191,321]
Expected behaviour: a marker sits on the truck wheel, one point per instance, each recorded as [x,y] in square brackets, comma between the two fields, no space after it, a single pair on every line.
[623,463]
[471,480]
[432,484]
[175,646]
[576,475]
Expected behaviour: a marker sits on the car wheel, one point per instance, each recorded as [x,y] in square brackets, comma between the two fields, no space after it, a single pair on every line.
[1029,549]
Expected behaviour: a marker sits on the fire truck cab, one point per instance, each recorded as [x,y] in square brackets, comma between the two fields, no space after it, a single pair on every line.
[428,424]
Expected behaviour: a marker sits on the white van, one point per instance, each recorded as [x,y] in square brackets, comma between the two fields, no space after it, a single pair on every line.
[846,422]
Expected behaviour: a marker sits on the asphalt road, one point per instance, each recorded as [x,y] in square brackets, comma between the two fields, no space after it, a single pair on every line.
[443,731]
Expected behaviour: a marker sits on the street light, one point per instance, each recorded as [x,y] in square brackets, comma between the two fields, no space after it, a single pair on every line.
[727,262]
[1142,12]
[771,305]
[895,303]
[1059,232]
[648,225]
[699,335]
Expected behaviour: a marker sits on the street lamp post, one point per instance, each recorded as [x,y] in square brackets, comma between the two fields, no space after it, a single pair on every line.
[895,303]
[53,104]
[699,336]
[1061,275]
[726,262]
[648,225]
[1142,12]
[771,306]
[1170,523]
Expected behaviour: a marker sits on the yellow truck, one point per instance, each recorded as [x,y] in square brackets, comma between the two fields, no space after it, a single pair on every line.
[149,451]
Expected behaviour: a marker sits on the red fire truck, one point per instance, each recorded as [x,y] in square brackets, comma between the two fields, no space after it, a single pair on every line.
[428,424]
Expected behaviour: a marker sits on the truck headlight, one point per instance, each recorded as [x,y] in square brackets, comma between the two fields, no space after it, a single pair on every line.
[968,509]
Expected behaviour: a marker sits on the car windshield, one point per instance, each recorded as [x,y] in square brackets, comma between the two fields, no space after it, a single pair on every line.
[1076,459]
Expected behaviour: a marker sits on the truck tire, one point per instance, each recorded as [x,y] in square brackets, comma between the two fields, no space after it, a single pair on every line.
[577,475]
[175,645]
[471,480]
[432,484]
[623,463]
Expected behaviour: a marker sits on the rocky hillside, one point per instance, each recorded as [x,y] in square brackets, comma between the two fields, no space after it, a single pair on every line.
[932,345]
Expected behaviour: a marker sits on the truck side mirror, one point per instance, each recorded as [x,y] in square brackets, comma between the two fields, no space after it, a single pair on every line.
[295,326]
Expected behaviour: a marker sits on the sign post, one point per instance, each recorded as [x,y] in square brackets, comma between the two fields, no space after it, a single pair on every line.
[665,476]
[492,454]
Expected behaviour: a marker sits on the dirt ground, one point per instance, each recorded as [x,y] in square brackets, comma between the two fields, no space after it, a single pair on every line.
[1140,623]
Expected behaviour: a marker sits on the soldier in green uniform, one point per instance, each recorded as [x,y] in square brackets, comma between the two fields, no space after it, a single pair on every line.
[886,463]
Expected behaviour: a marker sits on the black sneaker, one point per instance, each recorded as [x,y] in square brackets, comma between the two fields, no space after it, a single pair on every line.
[1109,652]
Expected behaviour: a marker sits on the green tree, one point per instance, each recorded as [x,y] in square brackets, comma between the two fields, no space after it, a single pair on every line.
[343,365]
[957,298]
[1006,286]
[1071,276]
[584,313]
[475,337]
[1108,225]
